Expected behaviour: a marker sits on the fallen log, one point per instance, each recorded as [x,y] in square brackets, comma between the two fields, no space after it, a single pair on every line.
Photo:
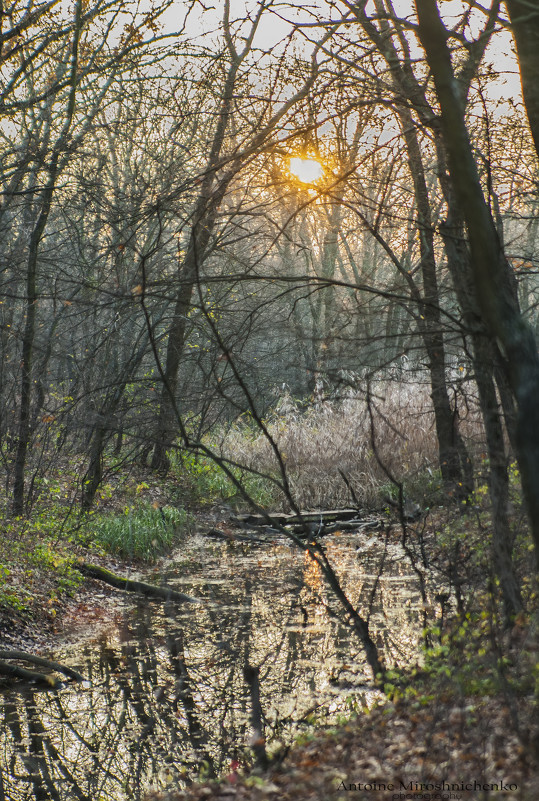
[322,517]
[16,672]
[131,585]
[23,656]
[233,537]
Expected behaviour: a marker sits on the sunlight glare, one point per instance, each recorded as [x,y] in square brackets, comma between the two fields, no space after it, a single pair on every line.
[306,170]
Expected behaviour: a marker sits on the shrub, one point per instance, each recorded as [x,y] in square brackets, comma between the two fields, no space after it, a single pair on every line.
[208,482]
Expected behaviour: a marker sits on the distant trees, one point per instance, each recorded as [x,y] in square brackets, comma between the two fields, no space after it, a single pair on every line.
[57,141]
[431,143]
[57,74]
[404,92]
[241,128]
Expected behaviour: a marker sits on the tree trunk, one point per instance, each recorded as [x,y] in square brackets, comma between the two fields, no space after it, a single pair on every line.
[525,23]
[492,273]
[23,433]
[94,473]
[484,359]
[498,481]
[205,219]
[455,463]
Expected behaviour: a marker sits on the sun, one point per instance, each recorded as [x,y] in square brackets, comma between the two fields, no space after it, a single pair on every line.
[306,170]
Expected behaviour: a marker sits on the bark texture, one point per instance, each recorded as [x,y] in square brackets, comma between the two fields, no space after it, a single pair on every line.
[524,16]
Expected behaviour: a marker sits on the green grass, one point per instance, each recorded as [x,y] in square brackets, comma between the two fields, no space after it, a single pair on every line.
[141,532]
[37,552]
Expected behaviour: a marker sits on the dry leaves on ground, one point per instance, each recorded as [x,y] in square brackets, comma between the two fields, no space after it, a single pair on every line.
[403,751]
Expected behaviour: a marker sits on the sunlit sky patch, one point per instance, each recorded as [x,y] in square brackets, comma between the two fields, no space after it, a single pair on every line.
[306,170]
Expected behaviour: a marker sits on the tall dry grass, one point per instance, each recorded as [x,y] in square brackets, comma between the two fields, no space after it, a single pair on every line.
[335,435]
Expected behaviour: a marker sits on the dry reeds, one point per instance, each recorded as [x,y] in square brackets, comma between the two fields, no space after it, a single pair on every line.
[333,437]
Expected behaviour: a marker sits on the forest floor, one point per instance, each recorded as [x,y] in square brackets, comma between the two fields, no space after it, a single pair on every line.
[468,720]
[445,746]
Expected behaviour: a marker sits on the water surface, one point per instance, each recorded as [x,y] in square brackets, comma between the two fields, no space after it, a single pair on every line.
[166,697]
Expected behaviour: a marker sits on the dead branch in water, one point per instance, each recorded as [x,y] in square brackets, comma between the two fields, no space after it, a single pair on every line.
[15,671]
[131,585]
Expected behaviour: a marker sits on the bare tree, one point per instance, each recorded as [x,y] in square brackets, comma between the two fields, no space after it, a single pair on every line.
[47,101]
[492,274]
[226,156]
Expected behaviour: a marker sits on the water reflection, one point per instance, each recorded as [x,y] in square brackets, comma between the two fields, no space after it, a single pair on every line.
[167,697]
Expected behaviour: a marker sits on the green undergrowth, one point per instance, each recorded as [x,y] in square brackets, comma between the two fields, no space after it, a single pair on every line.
[37,551]
[478,656]
[36,573]
[424,487]
[206,482]
[141,532]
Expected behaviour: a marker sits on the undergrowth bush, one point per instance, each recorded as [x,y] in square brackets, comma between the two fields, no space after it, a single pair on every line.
[35,571]
[10,596]
[204,480]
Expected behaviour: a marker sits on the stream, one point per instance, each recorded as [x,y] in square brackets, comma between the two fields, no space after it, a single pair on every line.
[166,700]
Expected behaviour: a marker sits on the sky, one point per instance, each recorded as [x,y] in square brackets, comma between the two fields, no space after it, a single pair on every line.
[278,22]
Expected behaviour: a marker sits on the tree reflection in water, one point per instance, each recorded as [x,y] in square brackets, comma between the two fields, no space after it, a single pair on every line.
[167,697]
